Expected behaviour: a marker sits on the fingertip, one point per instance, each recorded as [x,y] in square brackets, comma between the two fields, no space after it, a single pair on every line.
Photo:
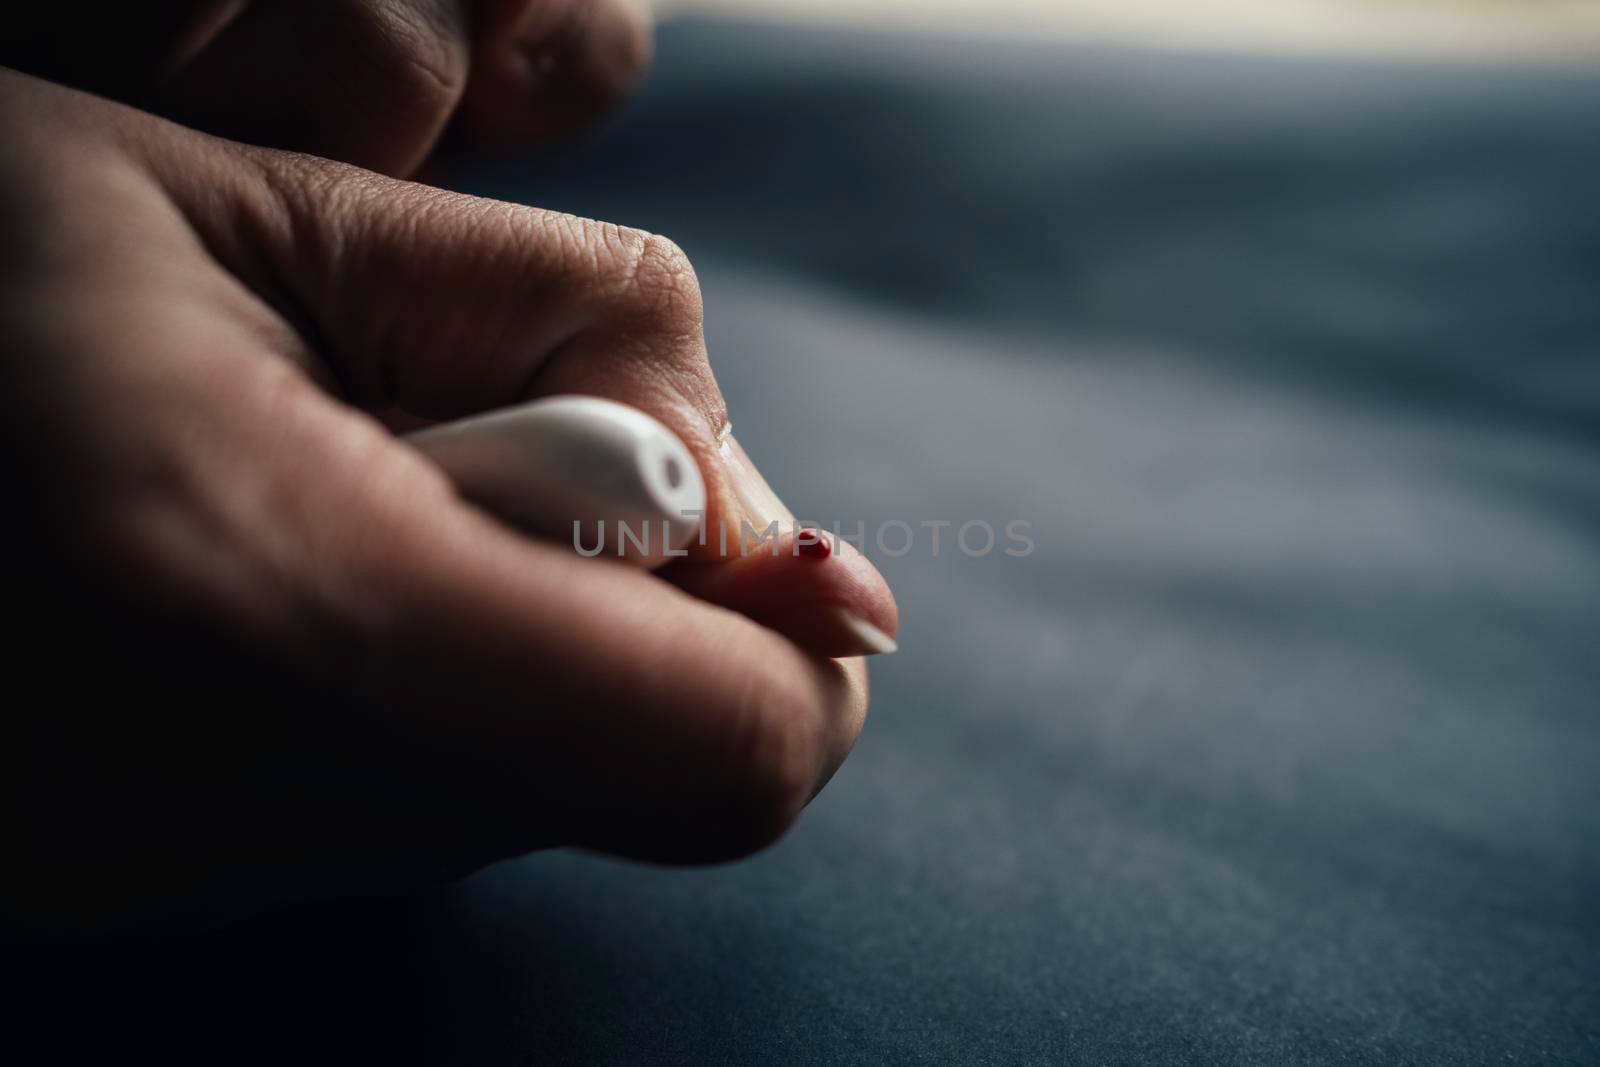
[815,589]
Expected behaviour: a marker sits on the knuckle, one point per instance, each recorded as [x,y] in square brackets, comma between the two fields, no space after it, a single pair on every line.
[641,302]
[309,209]
[302,186]
[661,282]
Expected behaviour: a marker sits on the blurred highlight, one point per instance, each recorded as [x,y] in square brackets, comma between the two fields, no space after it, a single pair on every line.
[1467,29]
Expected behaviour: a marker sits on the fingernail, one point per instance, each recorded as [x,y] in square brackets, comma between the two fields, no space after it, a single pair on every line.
[874,640]
[755,499]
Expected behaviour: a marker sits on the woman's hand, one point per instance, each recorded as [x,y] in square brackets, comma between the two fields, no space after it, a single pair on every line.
[261,647]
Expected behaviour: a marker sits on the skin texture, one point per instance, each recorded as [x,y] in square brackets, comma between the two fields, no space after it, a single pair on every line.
[270,652]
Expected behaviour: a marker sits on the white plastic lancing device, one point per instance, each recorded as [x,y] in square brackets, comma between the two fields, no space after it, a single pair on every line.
[627,481]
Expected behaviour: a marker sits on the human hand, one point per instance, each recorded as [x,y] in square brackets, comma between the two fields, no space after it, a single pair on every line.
[271,651]
[372,82]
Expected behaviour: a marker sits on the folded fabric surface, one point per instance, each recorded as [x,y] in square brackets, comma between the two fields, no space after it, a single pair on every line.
[1281,746]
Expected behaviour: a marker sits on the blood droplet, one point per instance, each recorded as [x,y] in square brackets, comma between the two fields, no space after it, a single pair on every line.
[813,544]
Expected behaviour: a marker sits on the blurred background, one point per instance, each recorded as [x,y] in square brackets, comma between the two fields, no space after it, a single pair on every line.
[1280,324]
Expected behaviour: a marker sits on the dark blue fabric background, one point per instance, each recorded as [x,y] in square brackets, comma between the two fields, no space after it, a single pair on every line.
[1283,747]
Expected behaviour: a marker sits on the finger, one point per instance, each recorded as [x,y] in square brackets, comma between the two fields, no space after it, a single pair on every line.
[370,83]
[376,83]
[542,69]
[815,589]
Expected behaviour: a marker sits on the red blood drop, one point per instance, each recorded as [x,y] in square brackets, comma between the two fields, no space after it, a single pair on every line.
[820,548]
